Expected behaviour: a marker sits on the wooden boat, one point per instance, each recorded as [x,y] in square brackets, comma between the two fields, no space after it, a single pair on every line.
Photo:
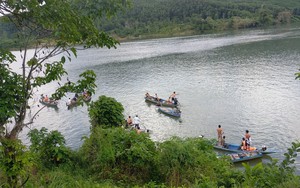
[170,111]
[87,98]
[50,103]
[244,156]
[237,148]
[160,102]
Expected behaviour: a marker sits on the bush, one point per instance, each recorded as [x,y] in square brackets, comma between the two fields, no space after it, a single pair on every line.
[120,155]
[15,162]
[184,161]
[106,112]
[48,148]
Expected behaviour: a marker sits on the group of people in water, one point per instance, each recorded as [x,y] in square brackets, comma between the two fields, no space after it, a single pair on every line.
[172,99]
[134,123]
[245,143]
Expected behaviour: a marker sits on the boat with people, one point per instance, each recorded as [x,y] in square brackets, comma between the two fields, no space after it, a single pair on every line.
[160,102]
[78,98]
[48,102]
[237,148]
[175,112]
[72,103]
[87,98]
[244,156]
[51,103]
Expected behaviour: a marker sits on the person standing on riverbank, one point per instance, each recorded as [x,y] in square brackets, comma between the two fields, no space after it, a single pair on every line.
[136,121]
[129,121]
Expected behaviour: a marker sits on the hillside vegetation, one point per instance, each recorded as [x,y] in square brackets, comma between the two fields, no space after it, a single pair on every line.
[165,18]
[186,17]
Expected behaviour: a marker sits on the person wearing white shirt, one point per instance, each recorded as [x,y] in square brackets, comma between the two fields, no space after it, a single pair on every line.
[136,121]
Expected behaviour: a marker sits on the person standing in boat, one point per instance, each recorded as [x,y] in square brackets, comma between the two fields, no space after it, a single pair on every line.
[173,96]
[220,133]
[157,99]
[248,139]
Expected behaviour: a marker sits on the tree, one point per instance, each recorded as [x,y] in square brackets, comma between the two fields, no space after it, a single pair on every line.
[51,28]
[106,112]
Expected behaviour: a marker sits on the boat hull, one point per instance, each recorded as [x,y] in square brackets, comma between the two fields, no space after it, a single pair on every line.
[170,111]
[244,156]
[51,104]
[72,104]
[237,148]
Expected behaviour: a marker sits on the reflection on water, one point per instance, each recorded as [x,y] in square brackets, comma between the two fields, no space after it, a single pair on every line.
[241,81]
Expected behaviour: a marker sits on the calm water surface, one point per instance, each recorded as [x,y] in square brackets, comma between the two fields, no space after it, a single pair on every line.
[240,80]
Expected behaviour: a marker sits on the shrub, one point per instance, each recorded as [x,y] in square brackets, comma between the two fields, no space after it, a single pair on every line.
[184,161]
[106,112]
[15,161]
[119,154]
[49,148]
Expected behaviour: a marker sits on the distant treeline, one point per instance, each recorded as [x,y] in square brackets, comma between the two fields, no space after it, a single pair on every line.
[158,18]
[175,17]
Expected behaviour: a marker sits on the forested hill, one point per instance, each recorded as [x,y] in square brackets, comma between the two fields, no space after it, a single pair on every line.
[175,17]
[161,18]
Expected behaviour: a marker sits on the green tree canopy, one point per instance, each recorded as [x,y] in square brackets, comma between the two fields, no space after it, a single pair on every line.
[106,112]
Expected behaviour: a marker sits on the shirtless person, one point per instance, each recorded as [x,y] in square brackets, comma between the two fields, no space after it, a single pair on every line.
[173,96]
[147,95]
[129,121]
[223,143]
[156,97]
[46,99]
[220,133]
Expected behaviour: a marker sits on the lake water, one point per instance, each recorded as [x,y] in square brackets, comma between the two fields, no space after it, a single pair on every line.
[243,80]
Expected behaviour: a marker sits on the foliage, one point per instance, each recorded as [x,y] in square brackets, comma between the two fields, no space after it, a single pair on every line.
[65,178]
[10,93]
[106,112]
[273,175]
[48,148]
[178,17]
[120,155]
[297,75]
[182,161]
[290,157]
[116,157]
[174,17]
[15,162]
[52,28]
